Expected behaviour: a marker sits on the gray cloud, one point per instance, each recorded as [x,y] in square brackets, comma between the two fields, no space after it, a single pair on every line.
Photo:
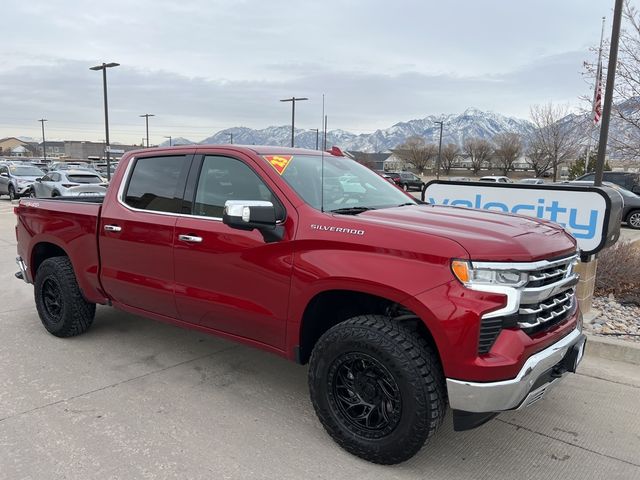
[203,65]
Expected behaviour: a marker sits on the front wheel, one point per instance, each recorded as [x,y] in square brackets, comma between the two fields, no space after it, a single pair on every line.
[12,193]
[633,219]
[377,388]
[62,309]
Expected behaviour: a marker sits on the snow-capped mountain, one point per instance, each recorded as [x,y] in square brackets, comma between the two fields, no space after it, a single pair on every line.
[177,141]
[471,123]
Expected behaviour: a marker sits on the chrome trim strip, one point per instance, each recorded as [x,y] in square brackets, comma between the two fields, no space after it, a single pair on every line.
[512,294]
[538,294]
[525,266]
[508,394]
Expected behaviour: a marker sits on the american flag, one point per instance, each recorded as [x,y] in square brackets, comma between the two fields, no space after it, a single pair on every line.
[597,96]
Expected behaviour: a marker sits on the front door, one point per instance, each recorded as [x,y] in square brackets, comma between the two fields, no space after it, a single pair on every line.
[137,234]
[226,279]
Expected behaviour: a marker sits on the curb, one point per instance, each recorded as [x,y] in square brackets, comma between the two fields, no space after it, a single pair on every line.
[612,349]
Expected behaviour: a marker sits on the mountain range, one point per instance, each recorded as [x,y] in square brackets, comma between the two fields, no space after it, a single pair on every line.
[471,123]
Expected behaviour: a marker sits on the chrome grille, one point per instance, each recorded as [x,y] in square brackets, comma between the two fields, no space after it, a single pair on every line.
[548,312]
[547,299]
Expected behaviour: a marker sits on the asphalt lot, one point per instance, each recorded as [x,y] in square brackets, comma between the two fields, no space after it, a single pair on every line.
[133,398]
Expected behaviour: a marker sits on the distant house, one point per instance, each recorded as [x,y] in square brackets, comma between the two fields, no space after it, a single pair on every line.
[8,144]
[374,161]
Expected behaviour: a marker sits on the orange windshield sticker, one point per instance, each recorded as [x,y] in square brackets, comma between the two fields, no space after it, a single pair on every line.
[279,162]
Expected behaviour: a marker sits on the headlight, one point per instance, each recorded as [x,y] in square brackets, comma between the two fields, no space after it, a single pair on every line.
[468,275]
[23,182]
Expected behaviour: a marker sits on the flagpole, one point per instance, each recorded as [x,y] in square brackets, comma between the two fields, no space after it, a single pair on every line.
[593,125]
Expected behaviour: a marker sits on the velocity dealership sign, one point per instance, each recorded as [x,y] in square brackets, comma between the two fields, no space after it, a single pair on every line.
[591,215]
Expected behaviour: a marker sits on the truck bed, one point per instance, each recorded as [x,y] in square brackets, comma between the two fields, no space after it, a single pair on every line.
[66,223]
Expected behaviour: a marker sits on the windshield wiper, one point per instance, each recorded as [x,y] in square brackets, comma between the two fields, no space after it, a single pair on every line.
[351,210]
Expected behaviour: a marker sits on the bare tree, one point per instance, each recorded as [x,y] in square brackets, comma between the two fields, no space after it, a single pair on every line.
[478,150]
[417,152]
[624,136]
[450,153]
[538,158]
[507,148]
[556,134]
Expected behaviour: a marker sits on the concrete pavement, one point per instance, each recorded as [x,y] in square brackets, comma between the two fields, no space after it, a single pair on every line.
[133,398]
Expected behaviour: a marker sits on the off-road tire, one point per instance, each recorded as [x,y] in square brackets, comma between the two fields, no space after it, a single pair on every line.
[413,366]
[62,309]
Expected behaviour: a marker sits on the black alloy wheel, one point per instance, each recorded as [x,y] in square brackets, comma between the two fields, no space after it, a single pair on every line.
[366,394]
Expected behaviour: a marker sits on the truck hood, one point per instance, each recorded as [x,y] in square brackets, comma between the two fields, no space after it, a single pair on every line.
[485,235]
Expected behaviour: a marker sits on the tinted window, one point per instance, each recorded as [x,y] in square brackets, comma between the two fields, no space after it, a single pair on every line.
[84,178]
[589,177]
[55,177]
[224,178]
[46,178]
[157,183]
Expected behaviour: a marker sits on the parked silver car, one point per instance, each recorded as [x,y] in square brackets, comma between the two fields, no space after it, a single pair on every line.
[70,183]
[16,180]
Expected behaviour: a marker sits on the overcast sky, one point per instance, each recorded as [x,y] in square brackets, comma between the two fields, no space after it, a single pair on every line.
[204,65]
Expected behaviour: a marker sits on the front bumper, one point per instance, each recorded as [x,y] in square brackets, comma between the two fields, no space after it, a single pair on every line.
[533,381]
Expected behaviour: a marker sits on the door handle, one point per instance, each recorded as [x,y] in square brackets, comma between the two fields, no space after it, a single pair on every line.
[112,228]
[190,238]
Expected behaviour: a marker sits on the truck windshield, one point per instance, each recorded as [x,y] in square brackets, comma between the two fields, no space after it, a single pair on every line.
[348,185]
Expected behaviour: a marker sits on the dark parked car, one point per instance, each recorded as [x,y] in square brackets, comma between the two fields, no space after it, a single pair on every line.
[409,181]
[631,203]
[628,180]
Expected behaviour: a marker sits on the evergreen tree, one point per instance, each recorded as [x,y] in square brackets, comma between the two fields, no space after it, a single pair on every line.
[576,169]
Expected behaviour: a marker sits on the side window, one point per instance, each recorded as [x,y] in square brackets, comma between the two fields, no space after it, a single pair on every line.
[157,183]
[4,170]
[590,177]
[46,178]
[224,178]
[55,177]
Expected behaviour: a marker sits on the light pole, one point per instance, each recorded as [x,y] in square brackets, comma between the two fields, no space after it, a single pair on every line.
[107,147]
[317,130]
[230,135]
[146,121]
[293,101]
[439,152]
[169,137]
[44,141]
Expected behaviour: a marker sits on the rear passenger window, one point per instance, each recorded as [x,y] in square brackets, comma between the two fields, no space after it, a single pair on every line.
[157,183]
[224,178]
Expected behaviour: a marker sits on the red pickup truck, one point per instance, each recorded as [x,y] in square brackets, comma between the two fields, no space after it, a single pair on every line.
[401,308]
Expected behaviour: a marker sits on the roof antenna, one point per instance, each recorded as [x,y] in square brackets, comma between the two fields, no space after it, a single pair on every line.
[322,159]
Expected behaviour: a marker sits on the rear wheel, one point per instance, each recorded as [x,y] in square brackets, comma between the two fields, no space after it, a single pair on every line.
[55,194]
[633,219]
[62,309]
[405,187]
[377,388]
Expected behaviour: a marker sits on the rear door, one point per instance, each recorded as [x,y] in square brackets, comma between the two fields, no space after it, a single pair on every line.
[137,234]
[226,279]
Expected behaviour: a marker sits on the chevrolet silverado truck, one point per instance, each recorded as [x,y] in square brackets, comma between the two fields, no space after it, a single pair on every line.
[401,309]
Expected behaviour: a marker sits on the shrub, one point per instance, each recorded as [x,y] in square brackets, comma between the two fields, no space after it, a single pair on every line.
[619,270]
